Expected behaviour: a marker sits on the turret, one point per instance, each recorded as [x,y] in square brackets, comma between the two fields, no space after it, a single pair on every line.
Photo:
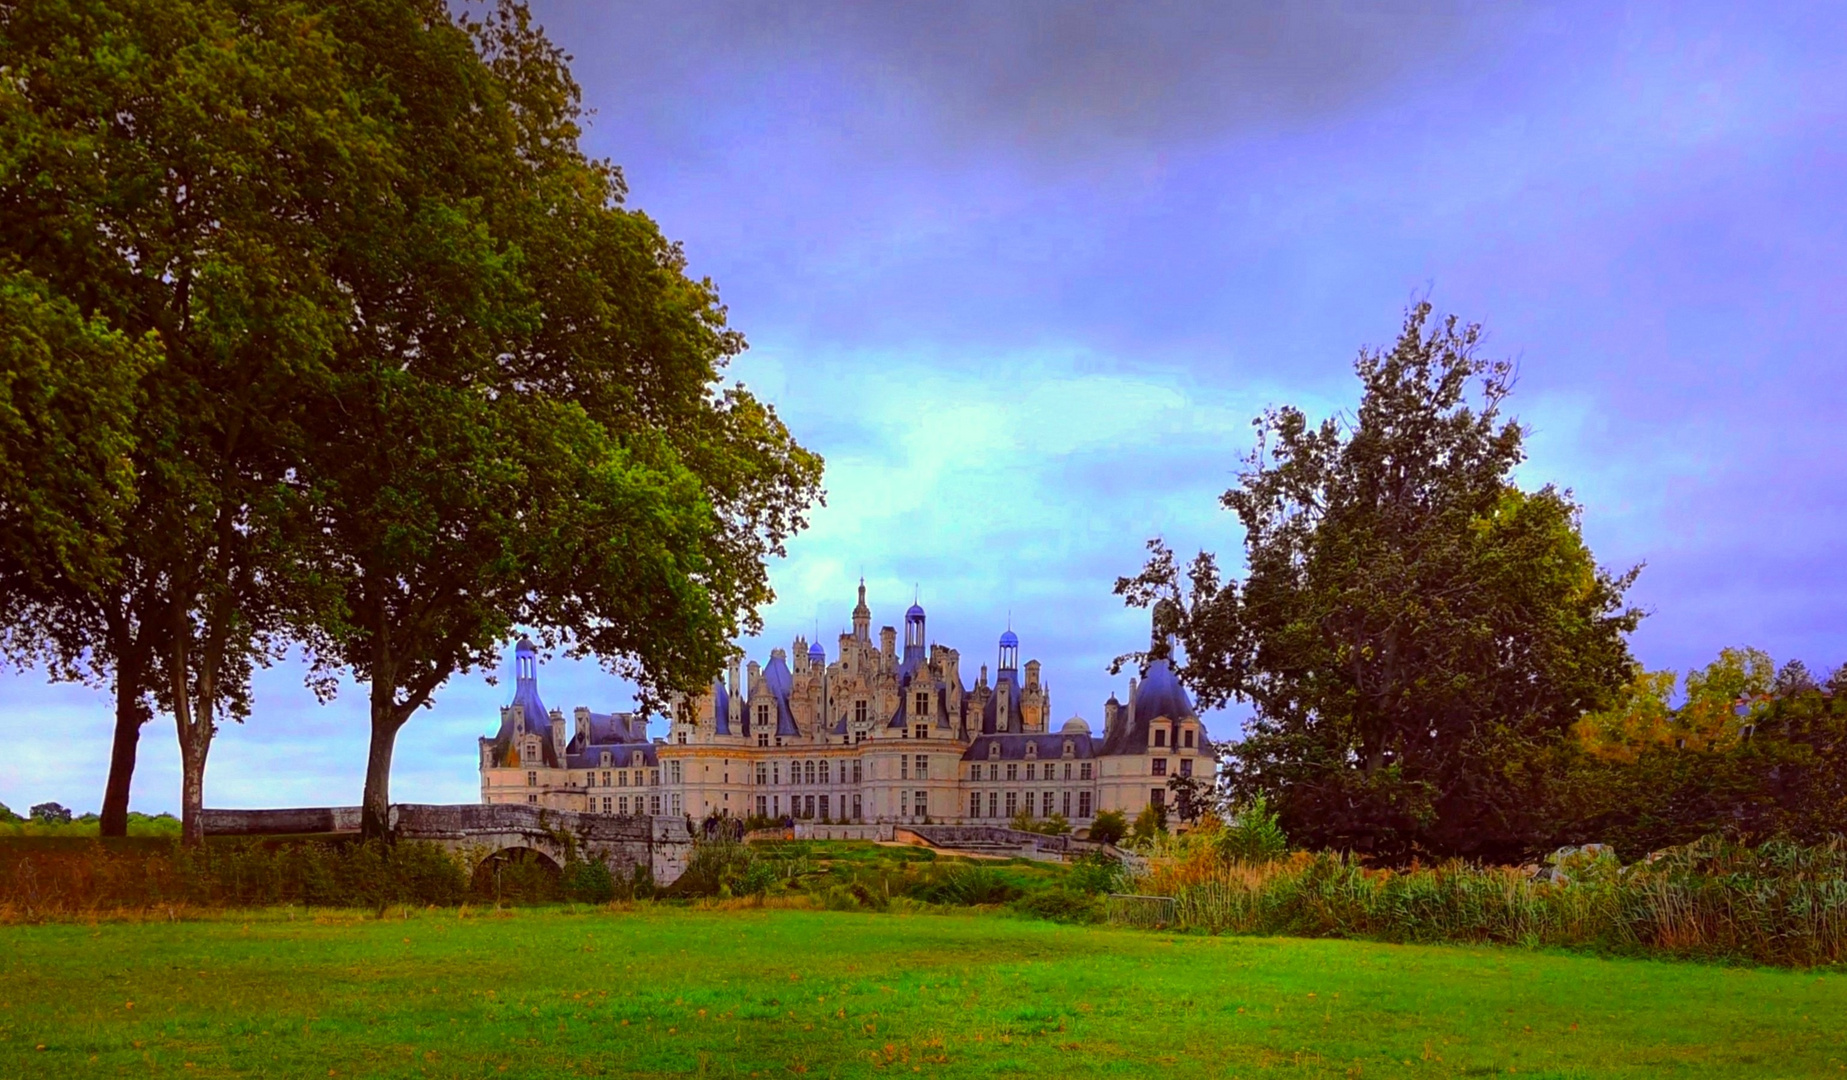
[888,642]
[862,616]
[1032,674]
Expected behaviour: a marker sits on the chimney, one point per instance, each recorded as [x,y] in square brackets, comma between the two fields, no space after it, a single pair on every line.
[888,641]
[1032,674]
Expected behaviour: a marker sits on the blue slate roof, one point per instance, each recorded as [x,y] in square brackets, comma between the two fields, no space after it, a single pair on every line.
[780,683]
[1013,747]
[527,704]
[1007,682]
[721,706]
[621,756]
[1160,694]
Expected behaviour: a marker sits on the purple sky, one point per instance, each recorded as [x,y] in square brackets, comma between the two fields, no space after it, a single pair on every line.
[1024,272]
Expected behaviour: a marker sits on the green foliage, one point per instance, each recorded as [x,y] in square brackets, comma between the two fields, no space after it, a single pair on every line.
[1150,823]
[1055,825]
[966,885]
[589,882]
[1775,767]
[1061,903]
[38,881]
[1109,827]
[1095,872]
[7,817]
[1416,633]
[1778,903]
[1252,835]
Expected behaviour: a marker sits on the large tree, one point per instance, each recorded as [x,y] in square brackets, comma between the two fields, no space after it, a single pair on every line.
[178,172]
[1416,633]
[528,429]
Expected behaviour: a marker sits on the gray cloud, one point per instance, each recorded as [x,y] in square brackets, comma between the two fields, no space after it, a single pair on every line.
[1048,78]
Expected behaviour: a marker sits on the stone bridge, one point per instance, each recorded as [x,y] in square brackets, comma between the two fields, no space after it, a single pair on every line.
[482,833]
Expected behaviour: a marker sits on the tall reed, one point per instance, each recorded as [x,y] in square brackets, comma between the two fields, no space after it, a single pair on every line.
[1776,903]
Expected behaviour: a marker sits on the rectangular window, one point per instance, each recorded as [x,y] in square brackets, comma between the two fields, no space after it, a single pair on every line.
[1188,736]
[859,712]
[622,806]
[776,773]
[1045,801]
[654,805]
[1083,804]
[532,779]
[923,706]
[763,774]
[609,804]
[1029,804]
[1186,766]
[923,767]
[622,778]
[673,771]
[1157,797]
[993,772]
[1029,770]
[974,804]
[1013,803]
[809,805]
[1013,770]
[776,805]
[763,806]
[654,777]
[676,804]
[763,717]
[1066,810]
[532,798]
[1067,770]
[824,811]
[1083,771]
[921,806]
[1160,766]
[1160,736]
[856,806]
[993,804]
[904,767]
[923,731]
[856,770]
[763,738]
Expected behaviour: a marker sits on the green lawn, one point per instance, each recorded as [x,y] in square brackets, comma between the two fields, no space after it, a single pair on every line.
[666,992]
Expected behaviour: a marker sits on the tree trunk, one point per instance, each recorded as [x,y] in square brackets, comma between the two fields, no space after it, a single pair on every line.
[130,714]
[192,716]
[375,805]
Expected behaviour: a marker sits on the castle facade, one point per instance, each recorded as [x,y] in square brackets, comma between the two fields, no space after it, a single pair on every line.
[876,734]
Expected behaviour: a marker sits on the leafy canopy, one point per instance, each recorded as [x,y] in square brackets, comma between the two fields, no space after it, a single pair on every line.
[1416,632]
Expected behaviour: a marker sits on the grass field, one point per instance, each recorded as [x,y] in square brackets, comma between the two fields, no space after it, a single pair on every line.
[756,992]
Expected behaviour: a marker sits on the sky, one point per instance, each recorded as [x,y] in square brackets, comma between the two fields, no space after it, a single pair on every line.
[1023,273]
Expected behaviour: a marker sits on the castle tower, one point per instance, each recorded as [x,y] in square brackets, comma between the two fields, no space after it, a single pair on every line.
[862,616]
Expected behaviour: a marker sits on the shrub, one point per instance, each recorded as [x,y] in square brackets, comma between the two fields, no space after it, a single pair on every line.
[1253,834]
[1151,822]
[50,813]
[966,885]
[1109,827]
[589,882]
[1096,873]
[757,878]
[1062,904]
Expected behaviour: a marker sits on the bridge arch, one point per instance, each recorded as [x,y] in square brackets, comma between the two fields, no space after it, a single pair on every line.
[517,871]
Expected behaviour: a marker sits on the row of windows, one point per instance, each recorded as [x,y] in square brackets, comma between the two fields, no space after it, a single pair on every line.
[620,777]
[1160,766]
[1032,767]
[619,804]
[1046,804]
[806,772]
[808,807]
[1160,738]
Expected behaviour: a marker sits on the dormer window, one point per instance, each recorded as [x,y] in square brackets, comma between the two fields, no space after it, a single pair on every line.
[1188,736]
[1160,736]
[1070,748]
[763,716]
[859,712]
[993,749]
[605,758]
[1032,750]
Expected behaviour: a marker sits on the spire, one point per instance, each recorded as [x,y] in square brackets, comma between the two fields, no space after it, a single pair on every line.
[862,615]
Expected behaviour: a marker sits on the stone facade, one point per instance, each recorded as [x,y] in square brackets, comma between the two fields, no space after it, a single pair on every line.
[877,734]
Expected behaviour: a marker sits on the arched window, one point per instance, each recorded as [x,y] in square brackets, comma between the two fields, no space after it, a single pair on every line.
[824,770]
[993,749]
[1032,749]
